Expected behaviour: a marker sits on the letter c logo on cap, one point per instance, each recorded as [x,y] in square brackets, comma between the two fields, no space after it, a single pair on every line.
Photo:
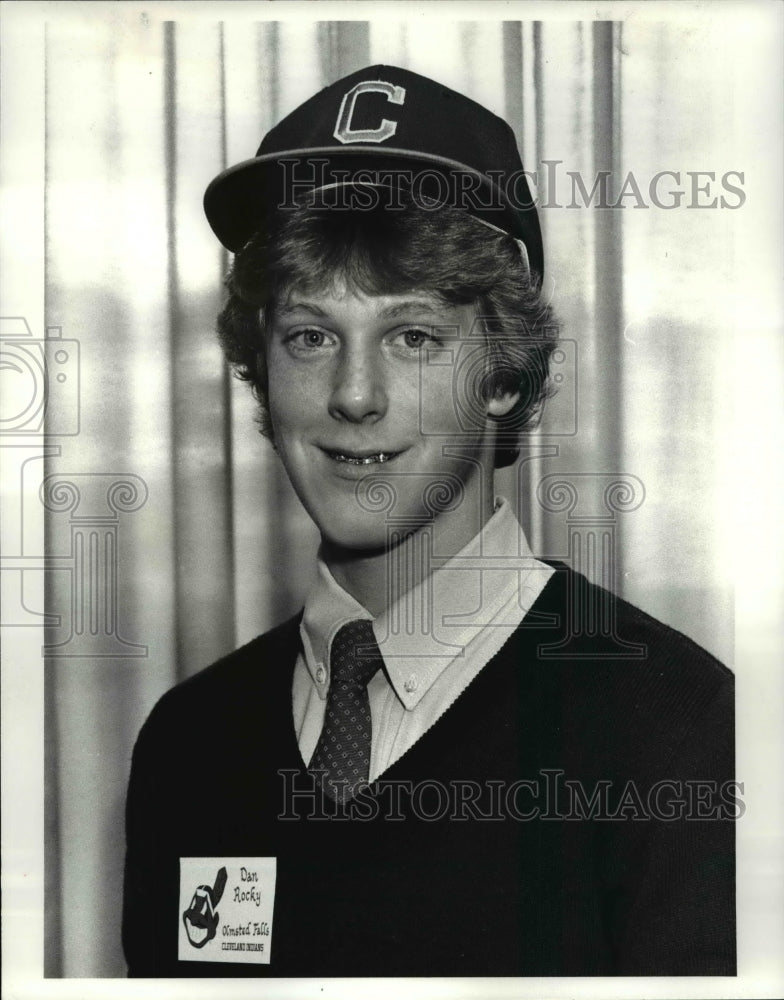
[343,130]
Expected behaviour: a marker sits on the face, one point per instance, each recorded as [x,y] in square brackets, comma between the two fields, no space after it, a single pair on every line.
[366,394]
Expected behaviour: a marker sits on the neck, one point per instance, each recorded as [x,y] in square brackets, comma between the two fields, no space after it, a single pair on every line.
[379,578]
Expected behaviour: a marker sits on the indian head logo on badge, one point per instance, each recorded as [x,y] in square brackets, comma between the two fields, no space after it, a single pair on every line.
[241,929]
[201,918]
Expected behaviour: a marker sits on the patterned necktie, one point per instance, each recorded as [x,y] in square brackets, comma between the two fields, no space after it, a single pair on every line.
[343,749]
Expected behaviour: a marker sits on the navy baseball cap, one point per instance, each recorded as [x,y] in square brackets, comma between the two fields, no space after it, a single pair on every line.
[384,126]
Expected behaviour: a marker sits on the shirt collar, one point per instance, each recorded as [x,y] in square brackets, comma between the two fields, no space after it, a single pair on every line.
[430,627]
[327,609]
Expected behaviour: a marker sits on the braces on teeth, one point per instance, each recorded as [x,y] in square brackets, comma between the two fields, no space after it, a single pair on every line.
[368,460]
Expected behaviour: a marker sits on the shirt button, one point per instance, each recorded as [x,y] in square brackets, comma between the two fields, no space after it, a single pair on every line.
[411,683]
[321,675]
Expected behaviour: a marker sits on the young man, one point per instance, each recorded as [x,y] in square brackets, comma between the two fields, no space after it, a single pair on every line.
[437,768]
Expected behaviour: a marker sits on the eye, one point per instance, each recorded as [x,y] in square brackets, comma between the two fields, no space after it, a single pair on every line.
[312,338]
[308,339]
[415,338]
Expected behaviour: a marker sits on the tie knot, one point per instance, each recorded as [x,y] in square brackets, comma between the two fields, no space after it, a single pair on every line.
[354,656]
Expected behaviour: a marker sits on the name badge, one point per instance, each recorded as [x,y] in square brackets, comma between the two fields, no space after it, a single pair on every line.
[226,909]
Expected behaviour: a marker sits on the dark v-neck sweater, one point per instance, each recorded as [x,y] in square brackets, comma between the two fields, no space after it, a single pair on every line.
[570,813]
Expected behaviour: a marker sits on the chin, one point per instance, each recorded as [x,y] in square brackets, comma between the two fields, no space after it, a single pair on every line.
[359,535]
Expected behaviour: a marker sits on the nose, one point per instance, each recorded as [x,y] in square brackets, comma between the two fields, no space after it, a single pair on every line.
[359,393]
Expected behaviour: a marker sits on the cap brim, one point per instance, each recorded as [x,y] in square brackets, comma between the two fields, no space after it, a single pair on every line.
[239,200]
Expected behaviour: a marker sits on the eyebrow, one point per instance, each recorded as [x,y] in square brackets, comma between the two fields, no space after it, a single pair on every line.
[410,305]
[415,305]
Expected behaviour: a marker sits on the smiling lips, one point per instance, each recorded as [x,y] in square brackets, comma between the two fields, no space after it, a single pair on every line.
[357,458]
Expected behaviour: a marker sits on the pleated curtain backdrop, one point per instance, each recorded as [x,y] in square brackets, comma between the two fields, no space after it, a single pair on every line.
[173,532]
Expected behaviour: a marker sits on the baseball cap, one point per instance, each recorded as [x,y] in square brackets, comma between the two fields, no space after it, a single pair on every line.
[383,125]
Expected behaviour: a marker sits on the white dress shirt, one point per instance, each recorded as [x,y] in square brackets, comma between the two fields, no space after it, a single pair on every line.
[434,640]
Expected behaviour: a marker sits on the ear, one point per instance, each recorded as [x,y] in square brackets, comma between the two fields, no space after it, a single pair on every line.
[500,404]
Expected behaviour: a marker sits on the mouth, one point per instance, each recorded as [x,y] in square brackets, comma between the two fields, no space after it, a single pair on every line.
[357,458]
[195,933]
